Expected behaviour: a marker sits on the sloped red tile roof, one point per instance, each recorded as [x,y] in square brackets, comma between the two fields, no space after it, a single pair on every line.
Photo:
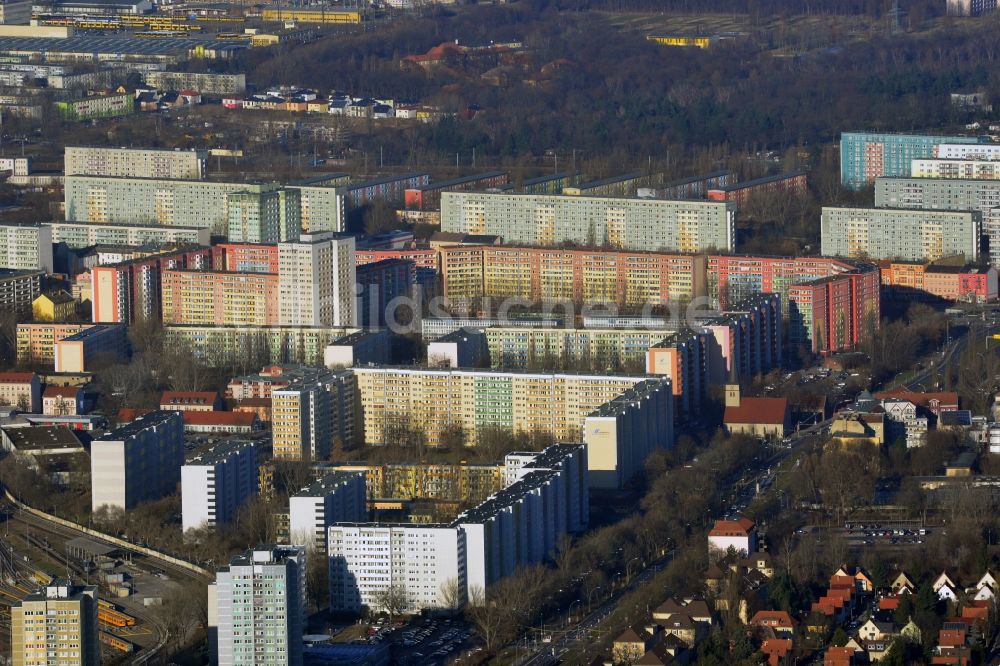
[770,411]
[61,392]
[15,377]
[188,397]
[921,398]
[741,527]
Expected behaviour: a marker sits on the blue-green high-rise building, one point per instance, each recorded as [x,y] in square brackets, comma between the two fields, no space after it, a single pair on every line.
[864,156]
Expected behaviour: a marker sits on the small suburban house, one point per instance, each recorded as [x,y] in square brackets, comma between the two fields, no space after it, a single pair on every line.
[757,417]
[741,535]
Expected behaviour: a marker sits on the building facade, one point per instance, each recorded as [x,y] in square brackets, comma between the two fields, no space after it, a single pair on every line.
[21,390]
[215,483]
[256,345]
[18,289]
[26,247]
[423,560]
[85,234]
[540,274]
[138,462]
[135,162]
[167,202]
[379,284]
[310,415]
[264,213]
[630,224]
[436,401]
[889,233]
[790,183]
[336,497]
[133,290]
[968,169]
[316,281]
[56,624]
[259,604]
[429,196]
[620,434]
[864,156]
[835,313]
[218,298]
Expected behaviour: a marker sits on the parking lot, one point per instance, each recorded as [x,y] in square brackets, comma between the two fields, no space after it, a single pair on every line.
[425,642]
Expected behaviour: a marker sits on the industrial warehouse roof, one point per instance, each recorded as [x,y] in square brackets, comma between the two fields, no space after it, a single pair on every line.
[89,546]
[50,439]
[94,44]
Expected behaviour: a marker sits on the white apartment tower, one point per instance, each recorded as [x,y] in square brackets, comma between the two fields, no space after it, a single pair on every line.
[259,607]
[139,462]
[338,497]
[26,246]
[316,279]
[427,561]
[215,483]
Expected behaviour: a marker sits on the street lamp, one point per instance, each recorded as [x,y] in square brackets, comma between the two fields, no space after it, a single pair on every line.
[591,596]
[569,614]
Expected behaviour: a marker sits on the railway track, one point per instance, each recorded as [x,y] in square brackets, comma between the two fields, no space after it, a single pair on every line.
[50,539]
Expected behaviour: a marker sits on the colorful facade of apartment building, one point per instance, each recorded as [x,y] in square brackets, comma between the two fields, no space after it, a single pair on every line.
[553,274]
[132,290]
[864,156]
[792,182]
[834,313]
[217,298]
[435,401]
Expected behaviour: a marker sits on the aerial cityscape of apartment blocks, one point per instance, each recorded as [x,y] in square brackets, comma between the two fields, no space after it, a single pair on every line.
[36,340]
[336,497]
[429,196]
[166,202]
[216,482]
[631,224]
[954,168]
[426,261]
[889,233]
[794,182]
[131,290]
[683,357]
[834,313]
[138,462]
[26,247]
[85,234]
[258,603]
[57,619]
[19,288]
[435,400]
[316,278]
[263,213]
[218,298]
[864,156]
[321,204]
[135,162]
[553,274]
